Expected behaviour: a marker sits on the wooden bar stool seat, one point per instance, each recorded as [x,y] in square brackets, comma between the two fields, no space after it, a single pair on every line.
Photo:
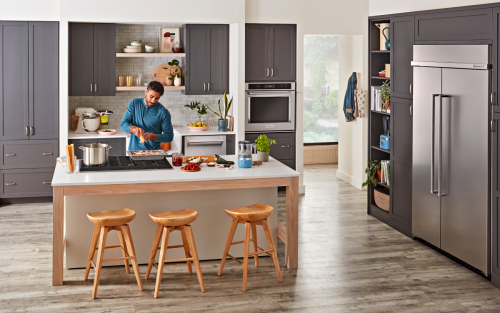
[105,222]
[251,216]
[168,222]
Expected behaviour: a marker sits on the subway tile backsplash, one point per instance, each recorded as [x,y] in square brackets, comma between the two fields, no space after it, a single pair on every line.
[174,101]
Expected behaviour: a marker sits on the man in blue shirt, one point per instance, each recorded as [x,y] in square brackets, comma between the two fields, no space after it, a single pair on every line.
[147,120]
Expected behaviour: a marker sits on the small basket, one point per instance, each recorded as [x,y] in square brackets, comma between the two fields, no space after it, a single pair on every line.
[381,197]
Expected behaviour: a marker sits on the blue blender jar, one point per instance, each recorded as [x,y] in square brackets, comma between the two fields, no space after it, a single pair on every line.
[245,151]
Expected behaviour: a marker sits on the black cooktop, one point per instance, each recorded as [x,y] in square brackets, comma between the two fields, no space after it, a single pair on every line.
[125,163]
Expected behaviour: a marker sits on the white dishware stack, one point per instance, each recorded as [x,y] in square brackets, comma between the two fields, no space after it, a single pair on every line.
[135,47]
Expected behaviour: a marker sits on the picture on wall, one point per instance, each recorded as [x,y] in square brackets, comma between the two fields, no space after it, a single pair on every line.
[168,37]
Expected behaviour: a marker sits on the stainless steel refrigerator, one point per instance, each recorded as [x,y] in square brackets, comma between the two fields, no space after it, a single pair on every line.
[450,174]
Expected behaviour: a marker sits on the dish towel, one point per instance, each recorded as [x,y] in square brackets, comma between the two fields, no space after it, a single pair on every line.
[349,105]
[359,98]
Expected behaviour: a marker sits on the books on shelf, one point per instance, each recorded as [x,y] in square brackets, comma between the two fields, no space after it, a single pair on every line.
[376,100]
[385,169]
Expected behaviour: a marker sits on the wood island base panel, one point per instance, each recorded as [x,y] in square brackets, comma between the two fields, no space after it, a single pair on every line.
[272,174]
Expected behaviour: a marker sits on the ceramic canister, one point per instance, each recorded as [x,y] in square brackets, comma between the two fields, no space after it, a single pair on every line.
[383,26]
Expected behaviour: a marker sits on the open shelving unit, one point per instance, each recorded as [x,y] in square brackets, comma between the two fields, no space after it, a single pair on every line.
[150,55]
[377,61]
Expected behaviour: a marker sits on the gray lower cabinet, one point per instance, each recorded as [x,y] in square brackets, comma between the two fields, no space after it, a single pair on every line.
[28,153]
[21,183]
[283,150]
[118,144]
[207,59]
[92,59]
[270,52]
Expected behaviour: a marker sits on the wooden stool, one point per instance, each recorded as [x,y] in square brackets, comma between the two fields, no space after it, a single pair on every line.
[167,223]
[250,216]
[105,222]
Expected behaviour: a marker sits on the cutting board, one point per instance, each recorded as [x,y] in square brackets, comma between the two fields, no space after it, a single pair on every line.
[161,72]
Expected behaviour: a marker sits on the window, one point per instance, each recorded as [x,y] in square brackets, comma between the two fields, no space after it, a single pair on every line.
[321,89]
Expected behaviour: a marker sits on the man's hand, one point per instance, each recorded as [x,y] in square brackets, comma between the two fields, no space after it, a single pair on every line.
[150,136]
[137,131]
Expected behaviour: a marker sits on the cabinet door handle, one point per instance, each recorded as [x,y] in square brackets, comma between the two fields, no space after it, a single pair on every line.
[27,131]
[287,146]
[95,87]
[272,71]
[90,87]
[10,184]
[46,183]
[32,131]
[411,88]
[47,153]
[10,154]
[204,86]
[267,71]
[411,109]
[208,84]
[492,125]
[492,98]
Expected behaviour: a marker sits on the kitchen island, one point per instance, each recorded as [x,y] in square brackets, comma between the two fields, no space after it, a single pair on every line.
[72,191]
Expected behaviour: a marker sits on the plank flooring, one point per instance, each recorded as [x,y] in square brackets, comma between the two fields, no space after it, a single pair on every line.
[348,261]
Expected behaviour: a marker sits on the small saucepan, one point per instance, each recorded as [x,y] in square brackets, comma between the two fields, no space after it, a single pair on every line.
[95,153]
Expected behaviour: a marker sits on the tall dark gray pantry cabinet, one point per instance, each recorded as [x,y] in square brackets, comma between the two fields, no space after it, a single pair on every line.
[207,59]
[470,25]
[270,52]
[92,59]
[29,102]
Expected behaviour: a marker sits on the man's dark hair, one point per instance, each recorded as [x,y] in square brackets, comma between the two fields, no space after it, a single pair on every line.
[156,86]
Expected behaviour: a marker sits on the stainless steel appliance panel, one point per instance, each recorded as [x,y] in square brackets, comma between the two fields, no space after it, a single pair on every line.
[425,205]
[464,204]
[204,145]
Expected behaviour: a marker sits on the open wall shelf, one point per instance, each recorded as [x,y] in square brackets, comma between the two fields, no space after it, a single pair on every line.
[150,55]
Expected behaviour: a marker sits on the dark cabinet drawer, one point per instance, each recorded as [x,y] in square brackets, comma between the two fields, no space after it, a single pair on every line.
[289,163]
[284,149]
[455,25]
[29,153]
[26,183]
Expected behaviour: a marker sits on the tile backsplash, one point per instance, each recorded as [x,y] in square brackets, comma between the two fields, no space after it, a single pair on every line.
[174,101]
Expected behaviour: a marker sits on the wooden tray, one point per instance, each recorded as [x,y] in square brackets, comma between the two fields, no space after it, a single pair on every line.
[160,73]
[210,158]
[182,169]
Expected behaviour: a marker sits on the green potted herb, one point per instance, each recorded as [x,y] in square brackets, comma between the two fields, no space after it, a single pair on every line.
[173,71]
[222,114]
[371,173]
[200,111]
[263,147]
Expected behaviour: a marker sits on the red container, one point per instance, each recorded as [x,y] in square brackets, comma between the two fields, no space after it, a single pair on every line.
[176,159]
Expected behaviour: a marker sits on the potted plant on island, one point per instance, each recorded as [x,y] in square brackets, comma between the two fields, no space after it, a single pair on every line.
[263,147]
[222,114]
[372,173]
[200,111]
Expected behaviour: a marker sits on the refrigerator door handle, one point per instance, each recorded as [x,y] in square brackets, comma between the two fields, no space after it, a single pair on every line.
[432,142]
[440,144]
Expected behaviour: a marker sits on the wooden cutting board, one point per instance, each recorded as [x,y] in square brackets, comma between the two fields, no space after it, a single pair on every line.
[161,72]
[210,158]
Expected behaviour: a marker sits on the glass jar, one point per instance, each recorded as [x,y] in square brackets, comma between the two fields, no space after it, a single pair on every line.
[130,81]
[138,80]
[121,81]
[177,159]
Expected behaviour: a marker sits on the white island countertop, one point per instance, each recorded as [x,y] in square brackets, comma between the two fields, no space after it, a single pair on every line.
[270,169]
[212,130]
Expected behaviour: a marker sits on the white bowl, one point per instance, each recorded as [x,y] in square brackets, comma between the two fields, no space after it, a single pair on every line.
[136,44]
[133,47]
[137,41]
[150,50]
[127,50]
[197,129]
[148,47]
[106,132]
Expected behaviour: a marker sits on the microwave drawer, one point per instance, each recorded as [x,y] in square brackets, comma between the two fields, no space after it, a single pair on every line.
[285,144]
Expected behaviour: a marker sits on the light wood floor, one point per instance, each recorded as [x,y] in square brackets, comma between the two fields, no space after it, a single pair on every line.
[348,261]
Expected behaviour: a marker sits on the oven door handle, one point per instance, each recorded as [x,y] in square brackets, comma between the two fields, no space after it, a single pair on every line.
[272,94]
[206,143]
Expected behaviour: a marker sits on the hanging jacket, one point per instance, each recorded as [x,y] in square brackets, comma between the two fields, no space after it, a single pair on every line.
[349,105]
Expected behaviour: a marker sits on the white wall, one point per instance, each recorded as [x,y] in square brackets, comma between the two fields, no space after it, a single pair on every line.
[319,17]
[381,7]
[29,10]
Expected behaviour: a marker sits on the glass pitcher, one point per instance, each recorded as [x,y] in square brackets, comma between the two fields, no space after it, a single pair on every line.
[245,151]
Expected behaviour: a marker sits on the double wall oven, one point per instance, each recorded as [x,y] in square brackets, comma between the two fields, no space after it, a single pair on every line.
[270,107]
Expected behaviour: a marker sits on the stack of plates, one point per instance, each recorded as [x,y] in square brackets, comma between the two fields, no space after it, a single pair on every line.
[135,47]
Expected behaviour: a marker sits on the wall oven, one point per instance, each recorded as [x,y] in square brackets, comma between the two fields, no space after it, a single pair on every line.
[269,107]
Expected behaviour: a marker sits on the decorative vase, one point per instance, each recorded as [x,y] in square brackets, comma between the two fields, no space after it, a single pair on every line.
[170,81]
[177,81]
[262,156]
[223,124]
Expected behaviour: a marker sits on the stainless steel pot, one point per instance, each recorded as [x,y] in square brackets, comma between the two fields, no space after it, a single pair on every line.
[95,153]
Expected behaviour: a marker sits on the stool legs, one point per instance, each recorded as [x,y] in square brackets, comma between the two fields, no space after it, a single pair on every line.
[229,242]
[267,231]
[163,252]
[156,242]
[124,251]
[194,254]
[245,255]
[185,243]
[100,256]
[93,246]
[125,229]
[254,241]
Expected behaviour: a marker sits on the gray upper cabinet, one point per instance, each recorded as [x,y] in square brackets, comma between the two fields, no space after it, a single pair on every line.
[44,80]
[471,24]
[14,80]
[207,59]
[92,59]
[29,83]
[401,56]
[270,52]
